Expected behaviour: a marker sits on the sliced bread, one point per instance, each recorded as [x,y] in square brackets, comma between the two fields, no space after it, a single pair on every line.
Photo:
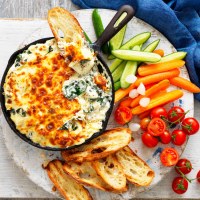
[65,184]
[107,143]
[135,169]
[111,172]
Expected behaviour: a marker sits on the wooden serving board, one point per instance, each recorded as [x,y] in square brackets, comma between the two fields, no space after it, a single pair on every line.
[29,159]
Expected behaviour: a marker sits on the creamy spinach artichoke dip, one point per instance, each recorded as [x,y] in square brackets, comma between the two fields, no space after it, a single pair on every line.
[52,104]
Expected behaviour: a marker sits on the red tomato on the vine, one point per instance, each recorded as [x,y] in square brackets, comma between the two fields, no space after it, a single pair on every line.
[123,115]
[190,125]
[178,137]
[176,115]
[156,127]
[144,123]
[165,137]
[169,157]
[180,185]
[159,112]
[184,166]
[149,140]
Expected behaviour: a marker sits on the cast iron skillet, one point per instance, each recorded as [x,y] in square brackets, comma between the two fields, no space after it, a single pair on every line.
[109,32]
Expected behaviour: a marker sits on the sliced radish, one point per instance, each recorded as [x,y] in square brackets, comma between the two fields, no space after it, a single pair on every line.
[144,102]
[134,126]
[131,78]
[133,93]
[141,89]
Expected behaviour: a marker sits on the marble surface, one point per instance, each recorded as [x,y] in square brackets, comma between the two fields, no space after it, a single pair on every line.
[13,182]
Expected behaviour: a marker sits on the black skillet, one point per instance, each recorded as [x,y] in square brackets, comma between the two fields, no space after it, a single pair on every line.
[109,32]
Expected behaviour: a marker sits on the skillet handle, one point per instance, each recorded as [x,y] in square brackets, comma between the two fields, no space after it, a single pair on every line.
[113,27]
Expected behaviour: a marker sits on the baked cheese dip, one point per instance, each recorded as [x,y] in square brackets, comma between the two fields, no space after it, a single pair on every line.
[52,104]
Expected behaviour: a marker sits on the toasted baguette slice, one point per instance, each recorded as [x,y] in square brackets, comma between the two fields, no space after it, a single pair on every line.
[135,169]
[86,174]
[107,143]
[60,19]
[66,185]
[111,172]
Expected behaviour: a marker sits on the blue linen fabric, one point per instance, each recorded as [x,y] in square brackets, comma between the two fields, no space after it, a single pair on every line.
[178,20]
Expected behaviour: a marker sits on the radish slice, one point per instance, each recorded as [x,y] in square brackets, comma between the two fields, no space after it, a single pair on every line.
[131,78]
[134,126]
[144,102]
[133,93]
[141,89]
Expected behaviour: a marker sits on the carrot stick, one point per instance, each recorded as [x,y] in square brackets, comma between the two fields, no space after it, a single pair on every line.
[126,102]
[159,52]
[154,89]
[144,114]
[157,77]
[160,93]
[146,70]
[185,84]
[121,93]
[166,98]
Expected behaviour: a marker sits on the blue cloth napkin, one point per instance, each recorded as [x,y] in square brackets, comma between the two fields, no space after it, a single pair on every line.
[178,20]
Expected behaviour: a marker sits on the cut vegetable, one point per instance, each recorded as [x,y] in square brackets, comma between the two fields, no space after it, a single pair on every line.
[159,52]
[152,46]
[146,70]
[174,56]
[136,55]
[134,126]
[98,27]
[126,102]
[118,72]
[144,101]
[185,84]
[130,69]
[136,40]
[133,94]
[166,98]
[154,89]
[131,78]
[117,85]
[141,89]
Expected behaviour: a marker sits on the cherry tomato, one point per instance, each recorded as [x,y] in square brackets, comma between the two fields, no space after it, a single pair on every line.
[180,185]
[198,176]
[165,137]
[156,127]
[169,157]
[176,115]
[149,140]
[190,125]
[159,112]
[184,166]
[178,137]
[123,115]
[144,123]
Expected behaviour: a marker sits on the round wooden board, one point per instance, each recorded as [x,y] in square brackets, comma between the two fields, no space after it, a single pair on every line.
[30,159]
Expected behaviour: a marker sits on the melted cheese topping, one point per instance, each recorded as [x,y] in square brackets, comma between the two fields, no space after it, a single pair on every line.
[38,105]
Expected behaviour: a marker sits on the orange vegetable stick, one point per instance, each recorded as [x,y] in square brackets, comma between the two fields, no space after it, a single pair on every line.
[144,114]
[154,89]
[166,98]
[185,84]
[121,93]
[126,102]
[157,77]
[146,70]
[159,93]
[159,52]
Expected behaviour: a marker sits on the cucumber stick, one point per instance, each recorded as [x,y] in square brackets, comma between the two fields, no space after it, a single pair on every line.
[173,56]
[98,27]
[117,85]
[118,72]
[136,40]
[136,55]
[130,68]
[152,46]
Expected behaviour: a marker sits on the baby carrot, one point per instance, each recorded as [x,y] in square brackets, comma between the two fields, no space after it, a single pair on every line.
[126,102]
[166,98]
[144,114]
[159,52]
[154,89]
[185,84]
[146,70]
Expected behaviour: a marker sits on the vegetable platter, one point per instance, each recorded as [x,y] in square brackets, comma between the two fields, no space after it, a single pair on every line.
[30,159]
